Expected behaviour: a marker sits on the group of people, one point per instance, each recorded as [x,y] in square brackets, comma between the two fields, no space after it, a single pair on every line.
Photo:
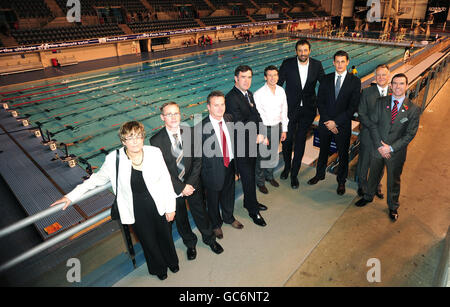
[196,166]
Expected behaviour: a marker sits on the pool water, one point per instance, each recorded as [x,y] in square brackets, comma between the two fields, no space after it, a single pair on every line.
[85,111]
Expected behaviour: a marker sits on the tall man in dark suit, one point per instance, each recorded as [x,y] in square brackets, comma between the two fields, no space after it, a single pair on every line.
[366,110]
[338,99]
[241,105]
[301,74]
[393,127]
[218,164]
[177,146]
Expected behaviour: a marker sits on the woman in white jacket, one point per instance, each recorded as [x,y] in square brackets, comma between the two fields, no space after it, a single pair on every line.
[145,196]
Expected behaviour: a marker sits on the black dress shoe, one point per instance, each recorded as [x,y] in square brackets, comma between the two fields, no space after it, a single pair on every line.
[284,174]
[162,276]
[191,253]
[362,202]
[174,268]
[314,180]
[262,207]
[379,195]
[341,189]
[258,219]
[294,182]
[216,248]
[263,189]
[393,215]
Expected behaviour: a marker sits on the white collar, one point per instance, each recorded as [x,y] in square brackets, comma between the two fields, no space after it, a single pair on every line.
[215,121]
[342,75]
[302,65]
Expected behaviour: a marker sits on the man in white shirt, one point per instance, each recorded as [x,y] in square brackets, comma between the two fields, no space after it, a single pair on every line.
[271,104]
[366,111]
[300,74]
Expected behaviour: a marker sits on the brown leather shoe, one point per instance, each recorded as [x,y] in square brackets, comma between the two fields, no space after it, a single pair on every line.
[236,224]
[218,233]
[263,189]
[274,183]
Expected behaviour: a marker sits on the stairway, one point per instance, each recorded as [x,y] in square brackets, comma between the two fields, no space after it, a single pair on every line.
[147,5]
[8,41]
[54,8]
[125,29]
[210,5]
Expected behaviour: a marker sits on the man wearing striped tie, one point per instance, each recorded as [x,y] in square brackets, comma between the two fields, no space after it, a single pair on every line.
[177,146]
[392,128]
[366,109]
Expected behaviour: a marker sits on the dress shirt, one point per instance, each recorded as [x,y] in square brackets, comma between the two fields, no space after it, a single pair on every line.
[342,79]
[399,106]
[216,127]
[172,139]
[400,102]
[303,73]
[272,107]
[383,90]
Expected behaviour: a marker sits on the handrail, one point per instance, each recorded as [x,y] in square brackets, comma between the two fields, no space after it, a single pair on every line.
[47,212]
[55,240]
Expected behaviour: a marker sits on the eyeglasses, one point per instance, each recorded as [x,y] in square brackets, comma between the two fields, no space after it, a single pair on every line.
[134,137]
[172,114]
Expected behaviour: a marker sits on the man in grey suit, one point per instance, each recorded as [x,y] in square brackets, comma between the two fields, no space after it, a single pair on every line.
[366,109]
[394,126]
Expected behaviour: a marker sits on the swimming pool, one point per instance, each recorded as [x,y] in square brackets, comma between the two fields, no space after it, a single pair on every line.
[86,110]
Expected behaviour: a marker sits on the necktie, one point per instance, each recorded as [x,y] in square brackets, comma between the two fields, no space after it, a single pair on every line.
[248,99]
[337,87]
[382,93]
[178,151]
[225,154]
[394,111]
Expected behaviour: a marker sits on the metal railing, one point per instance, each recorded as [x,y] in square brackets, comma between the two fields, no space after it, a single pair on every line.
[422,90]
[58,238]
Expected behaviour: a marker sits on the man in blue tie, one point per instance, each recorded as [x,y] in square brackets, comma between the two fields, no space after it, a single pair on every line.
[392,128]
[338,99]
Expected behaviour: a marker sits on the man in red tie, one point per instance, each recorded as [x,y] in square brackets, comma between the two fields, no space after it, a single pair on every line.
[392,128]
[218,167]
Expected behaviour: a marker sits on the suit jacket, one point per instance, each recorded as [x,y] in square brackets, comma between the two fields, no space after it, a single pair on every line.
[341,109]
[294,92]
[398,134]
[213,170]
[366,111]
[192,161]
[241,111]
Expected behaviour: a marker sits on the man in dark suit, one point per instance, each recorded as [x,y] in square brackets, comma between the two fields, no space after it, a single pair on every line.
[338,99]
[366,110]
[393,127]
[301,74]
[241,105]
[218,164]
[177,146]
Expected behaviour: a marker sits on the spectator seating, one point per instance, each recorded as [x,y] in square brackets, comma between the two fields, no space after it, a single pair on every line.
[27,8]
[224,20]
[264,17]
[162,25]
[39,36]
[88,6]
